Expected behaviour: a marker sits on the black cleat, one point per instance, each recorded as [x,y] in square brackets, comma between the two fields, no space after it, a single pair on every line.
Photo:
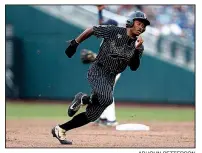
[76,104]
[59,133]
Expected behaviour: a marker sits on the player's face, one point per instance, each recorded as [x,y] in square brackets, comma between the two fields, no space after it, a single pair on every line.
[138,27]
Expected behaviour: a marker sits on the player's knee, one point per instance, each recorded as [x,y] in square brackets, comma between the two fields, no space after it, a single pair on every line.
[101,99]
[93,113]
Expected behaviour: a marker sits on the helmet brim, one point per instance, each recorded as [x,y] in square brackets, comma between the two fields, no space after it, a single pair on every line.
[145,21]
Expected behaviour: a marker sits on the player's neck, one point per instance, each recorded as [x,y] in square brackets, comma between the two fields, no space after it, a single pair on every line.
[130,34]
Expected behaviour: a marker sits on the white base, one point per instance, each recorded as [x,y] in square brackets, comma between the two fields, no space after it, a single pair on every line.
[132,127]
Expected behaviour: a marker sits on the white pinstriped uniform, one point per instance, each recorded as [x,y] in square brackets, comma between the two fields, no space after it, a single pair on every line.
[113,58]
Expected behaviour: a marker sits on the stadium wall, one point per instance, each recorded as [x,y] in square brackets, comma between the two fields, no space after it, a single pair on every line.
[44,71]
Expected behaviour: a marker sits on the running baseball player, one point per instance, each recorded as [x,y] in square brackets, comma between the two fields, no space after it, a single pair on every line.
[108,117]
[121,47]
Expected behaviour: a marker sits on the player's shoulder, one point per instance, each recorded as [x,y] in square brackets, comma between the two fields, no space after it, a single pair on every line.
[109,26]
[105,26]
[117,29]
[113,27]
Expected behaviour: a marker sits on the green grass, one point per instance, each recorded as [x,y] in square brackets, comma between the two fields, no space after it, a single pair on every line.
[58,111]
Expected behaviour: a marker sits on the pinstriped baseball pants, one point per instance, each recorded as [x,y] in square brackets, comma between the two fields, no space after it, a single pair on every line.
[102,83]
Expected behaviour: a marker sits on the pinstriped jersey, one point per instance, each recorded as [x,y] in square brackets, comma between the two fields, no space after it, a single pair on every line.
[116,49]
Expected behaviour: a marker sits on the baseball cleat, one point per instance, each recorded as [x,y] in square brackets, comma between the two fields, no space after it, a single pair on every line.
[59,133]
[100,121]
[76,104]
[112,123]
[105,122]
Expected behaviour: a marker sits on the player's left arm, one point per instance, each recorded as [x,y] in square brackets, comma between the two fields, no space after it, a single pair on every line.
[136,58]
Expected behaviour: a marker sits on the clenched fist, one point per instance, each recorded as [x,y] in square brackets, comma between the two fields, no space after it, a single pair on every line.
[139,42]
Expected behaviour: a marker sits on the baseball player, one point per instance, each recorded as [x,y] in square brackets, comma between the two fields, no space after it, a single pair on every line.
[121,47]
[108,117]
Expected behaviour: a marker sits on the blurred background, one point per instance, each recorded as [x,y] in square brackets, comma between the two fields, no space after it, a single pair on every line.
[38,69]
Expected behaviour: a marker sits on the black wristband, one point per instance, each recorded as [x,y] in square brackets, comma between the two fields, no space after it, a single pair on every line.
[74,43]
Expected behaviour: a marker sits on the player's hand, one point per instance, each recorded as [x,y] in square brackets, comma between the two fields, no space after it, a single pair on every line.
[71,49]
[139,42]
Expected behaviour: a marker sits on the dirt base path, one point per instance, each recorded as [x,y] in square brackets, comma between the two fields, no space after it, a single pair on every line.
[36,133]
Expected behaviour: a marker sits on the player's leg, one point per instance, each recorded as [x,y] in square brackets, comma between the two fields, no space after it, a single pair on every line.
[98,102]
[110,111]
[111,115]
[79,120]
[108,117]
[59,131]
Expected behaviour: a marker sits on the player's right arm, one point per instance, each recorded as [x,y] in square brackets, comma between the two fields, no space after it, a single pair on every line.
[100,31]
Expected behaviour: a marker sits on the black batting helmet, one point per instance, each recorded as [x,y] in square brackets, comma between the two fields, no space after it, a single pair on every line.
[137,15]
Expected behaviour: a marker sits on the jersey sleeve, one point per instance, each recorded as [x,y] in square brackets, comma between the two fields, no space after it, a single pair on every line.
[140,51]
[135,60]
[103,31]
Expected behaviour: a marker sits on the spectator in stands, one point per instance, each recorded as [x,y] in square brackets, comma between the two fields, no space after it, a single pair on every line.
[169,19]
